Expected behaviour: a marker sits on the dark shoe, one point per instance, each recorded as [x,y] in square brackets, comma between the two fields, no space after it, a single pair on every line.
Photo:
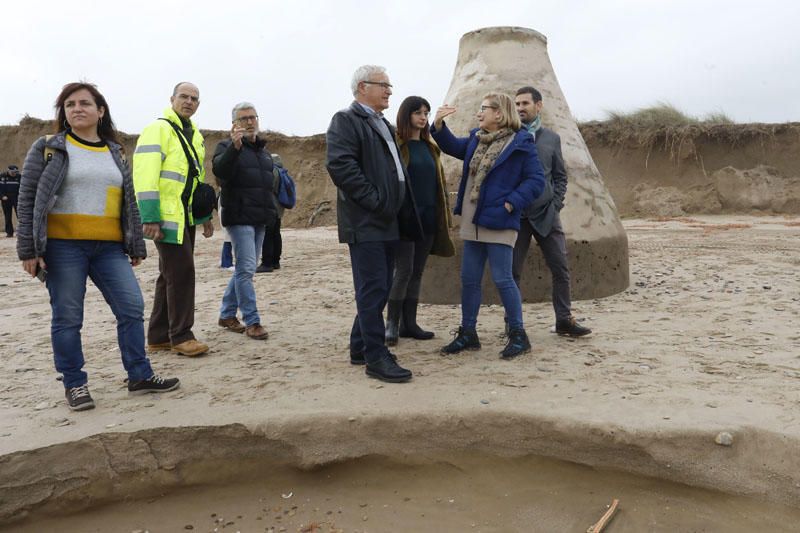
[264,268]
[518,344]
[465,339]
[408,322]
[571,328]
[357,357]
[393,321]
[387,369]
[232,324]
[79,399]
[257,332]
[153,384]
[276,265]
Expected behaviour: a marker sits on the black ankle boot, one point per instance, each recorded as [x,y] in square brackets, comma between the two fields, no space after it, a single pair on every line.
[466,339]
[518,344]
[408,322]
[393,321]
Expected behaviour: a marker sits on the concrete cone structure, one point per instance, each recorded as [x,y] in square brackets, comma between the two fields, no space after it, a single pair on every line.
[504,59]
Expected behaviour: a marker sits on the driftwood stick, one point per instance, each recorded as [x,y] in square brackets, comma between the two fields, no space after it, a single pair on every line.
[605,519]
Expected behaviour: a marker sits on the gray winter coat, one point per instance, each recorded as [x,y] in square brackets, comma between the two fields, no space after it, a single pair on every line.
[37,195]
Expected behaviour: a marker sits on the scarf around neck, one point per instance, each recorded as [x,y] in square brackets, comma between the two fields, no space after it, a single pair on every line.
[490,146]
[535,126]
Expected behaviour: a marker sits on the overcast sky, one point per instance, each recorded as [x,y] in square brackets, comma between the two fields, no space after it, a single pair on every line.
[294,59]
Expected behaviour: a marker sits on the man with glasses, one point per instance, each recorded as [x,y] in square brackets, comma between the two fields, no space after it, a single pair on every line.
[374,209]
[541,219]
[167,166]
[243,168]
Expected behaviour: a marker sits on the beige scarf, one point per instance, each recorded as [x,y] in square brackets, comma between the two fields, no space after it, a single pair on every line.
[490,146]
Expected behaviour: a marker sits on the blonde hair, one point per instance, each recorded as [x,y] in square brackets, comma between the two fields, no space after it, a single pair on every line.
[509,118]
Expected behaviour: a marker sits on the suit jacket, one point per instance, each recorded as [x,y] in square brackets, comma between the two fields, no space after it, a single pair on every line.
[370,205]
[542,212]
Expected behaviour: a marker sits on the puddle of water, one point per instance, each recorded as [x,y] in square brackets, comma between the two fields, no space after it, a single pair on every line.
[458,494]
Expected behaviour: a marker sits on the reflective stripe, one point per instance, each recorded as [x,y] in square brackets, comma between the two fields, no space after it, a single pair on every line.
[149,195]
[166,224]
[169,175]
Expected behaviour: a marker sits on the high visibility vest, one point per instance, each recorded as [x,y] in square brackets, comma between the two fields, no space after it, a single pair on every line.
[160,171]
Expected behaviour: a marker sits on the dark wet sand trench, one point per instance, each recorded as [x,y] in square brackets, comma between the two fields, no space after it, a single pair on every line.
[464,492]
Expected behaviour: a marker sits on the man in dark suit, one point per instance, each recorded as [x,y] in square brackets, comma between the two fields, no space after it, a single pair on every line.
[541,220]
[374,208]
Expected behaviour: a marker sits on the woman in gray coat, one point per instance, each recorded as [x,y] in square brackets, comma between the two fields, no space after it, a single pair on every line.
[78,219]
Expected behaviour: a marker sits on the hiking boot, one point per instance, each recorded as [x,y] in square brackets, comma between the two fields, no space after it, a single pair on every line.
[392,322]
[465,339]
[571,328]
[264,268]
[79,399]
[159,346]
[232,324]
[257,332]
[190,348]
[153,384]
[518,344]
[408,322]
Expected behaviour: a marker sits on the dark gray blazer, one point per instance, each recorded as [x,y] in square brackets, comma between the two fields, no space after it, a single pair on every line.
[544,209]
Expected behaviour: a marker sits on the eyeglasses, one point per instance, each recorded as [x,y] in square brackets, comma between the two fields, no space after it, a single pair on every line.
[485,107]
[248,118]
[383,84]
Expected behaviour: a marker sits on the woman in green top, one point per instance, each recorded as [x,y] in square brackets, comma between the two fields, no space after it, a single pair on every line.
[422,158]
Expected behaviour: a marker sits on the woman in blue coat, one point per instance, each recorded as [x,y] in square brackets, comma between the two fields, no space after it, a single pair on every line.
[501,176]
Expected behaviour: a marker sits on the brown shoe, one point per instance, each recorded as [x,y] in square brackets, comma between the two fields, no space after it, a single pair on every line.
[190,348]
[159,346]
[256,331]
[232,324]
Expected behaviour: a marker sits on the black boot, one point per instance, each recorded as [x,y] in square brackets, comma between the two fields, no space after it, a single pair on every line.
[518,344]
[571,328]
[393,321]
[466,339]
[408,322]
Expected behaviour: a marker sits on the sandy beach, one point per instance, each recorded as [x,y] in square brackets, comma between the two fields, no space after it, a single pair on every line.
[704,341]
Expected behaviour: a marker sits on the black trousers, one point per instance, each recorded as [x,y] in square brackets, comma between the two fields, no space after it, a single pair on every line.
[554,250]
[372,277]
[273,245]
[8,205]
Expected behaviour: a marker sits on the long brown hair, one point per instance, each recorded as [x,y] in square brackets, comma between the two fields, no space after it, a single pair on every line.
[106,129]
[409,106]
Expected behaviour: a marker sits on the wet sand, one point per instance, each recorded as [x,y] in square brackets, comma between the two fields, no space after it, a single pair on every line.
[453,494]
[705,340]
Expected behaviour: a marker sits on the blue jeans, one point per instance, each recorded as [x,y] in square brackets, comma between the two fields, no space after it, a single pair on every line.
[69,263]
[226,258]
[240,293]
[472,264]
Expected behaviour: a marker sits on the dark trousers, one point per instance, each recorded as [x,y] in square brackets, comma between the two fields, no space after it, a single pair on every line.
[8,205]
[273,245]
[172,317]
[372,277]
[554,250]
[409,264]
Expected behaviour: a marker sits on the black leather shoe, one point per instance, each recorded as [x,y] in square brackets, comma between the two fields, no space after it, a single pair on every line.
[386,369]
[357,357]
[571,328]
[264,268]
[518,344]
[465,339]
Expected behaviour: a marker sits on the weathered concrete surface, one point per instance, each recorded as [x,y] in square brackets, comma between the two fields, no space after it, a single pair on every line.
[504,59]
